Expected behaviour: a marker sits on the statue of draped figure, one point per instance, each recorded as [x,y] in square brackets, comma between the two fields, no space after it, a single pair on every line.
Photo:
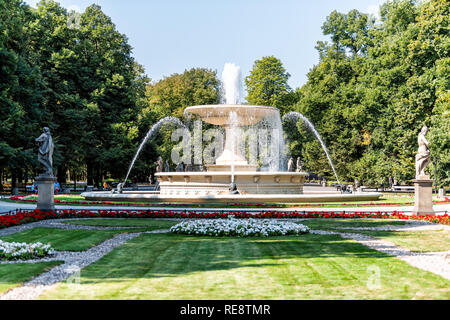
[423,153]
[45,154]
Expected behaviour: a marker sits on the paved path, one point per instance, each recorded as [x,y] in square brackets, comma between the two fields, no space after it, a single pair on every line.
[436,262]
[440,208]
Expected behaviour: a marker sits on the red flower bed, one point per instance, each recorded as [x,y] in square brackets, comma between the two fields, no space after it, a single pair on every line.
[305,205]
[35,215]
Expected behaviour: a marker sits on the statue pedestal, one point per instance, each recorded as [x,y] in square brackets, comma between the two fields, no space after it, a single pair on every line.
[46,200]
[423,199]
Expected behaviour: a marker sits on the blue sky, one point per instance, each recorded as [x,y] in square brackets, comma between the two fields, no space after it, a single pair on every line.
[169,36]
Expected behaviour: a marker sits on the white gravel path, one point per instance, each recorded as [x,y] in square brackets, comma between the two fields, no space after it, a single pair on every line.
[58,223]
[436,262]
[410,226]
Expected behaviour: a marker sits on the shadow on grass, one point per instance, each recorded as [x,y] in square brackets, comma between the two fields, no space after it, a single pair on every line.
[169,255]
[416,241]
[331,224]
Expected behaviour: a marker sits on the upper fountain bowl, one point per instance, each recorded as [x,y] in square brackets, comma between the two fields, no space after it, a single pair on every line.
[218,114]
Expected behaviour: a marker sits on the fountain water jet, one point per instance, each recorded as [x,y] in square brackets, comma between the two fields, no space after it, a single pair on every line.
[148,136]
[293,115]
[231,84]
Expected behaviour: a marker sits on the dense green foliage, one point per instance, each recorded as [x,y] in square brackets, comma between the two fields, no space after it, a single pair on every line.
[376,84]
[267,84]
[75,74]
[169,97]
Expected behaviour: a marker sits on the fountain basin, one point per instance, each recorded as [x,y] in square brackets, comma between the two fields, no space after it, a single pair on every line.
[218,183]
[231,117]
[148,196]
[218,114]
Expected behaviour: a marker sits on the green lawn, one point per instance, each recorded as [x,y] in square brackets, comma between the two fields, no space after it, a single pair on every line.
[13,275]
[148,224]
[417,241]
[167,266]
[60,239]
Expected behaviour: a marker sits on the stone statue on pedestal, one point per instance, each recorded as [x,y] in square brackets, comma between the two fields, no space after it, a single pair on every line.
[299,165]
[423,153]
[46,180]
[45,154]
[167,166]
[180,167]
[159,164]
[423,185]
[233,188]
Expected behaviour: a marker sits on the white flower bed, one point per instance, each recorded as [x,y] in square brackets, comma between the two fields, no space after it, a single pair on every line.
[24,251]
[239,228]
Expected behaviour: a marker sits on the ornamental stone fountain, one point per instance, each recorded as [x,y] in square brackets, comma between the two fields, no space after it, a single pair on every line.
[231,166]
[233,178]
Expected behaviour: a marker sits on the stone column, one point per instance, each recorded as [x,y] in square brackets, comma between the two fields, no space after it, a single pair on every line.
[423,199]
[46,200]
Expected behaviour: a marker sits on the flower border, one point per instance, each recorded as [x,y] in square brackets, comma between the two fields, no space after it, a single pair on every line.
[306,205]
[27,216]
[233,227]
[24,251]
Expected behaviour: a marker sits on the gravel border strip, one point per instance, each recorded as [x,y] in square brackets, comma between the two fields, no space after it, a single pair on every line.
[58,223]
[413,227]
[435,262]
[69,226]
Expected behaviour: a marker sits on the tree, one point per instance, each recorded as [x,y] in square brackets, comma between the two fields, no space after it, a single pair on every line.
[173,94]
[55,52]
[348,31]
[111,84]
[169,97]
[80,81]
[370,105]
[21,90]
[267,83]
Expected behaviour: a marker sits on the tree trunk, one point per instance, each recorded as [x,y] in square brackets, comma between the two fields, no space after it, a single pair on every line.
[97,178]
[90,174]
[13,180]
[62,178]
